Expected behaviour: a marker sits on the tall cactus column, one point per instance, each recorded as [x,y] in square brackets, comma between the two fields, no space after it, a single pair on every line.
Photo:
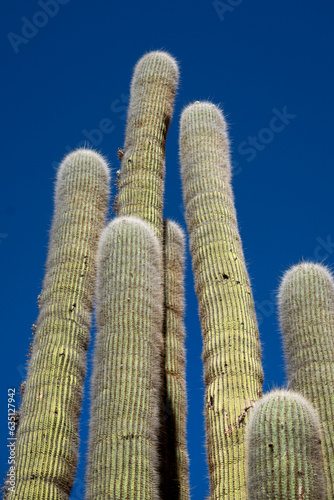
[306,305]
[127,377]
[284,449]
[140,194]
[174,470]
[47,437]
[231,352]
[142,174]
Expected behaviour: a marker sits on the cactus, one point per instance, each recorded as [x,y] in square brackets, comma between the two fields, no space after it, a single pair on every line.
[141,179]
[140,194]
[137,444]
[231,353]
[173,444]
[127,377]
[306,305]
[284,449]
[47,436]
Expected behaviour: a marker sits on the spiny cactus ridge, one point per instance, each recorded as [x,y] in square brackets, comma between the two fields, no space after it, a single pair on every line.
[137,442]
[306,306]
[47,436]
[140,194]
[284,449]
[141,178]
[173,443]
[127,378]
[231,353]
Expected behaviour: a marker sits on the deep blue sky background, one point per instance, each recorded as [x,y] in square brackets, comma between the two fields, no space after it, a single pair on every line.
[254,59]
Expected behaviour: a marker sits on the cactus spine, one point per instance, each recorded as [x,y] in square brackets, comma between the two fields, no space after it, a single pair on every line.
[123,457]
[284,449]
[47,437]
[231,352]
[140,194]
[174,470]
[137,429]
[141,181]
[306,304]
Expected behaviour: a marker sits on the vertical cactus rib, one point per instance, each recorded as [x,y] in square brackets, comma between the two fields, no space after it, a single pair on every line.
[141,186]
[47,437]
[174,465]
[306,306]
[231,352]
[141,181]
[123,457]
[284,453]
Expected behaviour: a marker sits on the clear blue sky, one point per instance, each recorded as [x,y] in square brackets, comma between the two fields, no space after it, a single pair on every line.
[258,60]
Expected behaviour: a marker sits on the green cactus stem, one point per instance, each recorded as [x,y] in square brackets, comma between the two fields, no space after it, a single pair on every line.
[141,180]
[231,352]
[306,306]
[140,194]
[174,466]
[123,459]
[47,436]
[284,449]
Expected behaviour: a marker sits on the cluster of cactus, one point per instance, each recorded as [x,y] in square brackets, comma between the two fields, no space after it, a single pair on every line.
[280,446]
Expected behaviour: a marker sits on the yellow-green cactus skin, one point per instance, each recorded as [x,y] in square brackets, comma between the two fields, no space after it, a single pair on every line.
[127,376]
[137,441]
[306,306]
[141,179]
[174,464]
[231,352]
[47,436]
[140,194]
[284,453]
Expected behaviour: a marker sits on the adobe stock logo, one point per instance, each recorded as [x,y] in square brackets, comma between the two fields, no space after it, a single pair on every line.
[92,138]
[223,7]
[258,142]
[31,27]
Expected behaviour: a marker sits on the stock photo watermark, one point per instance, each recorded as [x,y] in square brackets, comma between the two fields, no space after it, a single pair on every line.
[31,26]
[78,491]
[94,137]
[255,144]
[265,308]
[11,440]
[3,236]
[265,136]
[228,6]
[321,252]
[324,249]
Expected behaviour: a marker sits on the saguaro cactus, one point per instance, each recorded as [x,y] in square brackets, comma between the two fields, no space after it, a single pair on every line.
[137,447]
[127,378]
[284,449]
[140,194]
[306,305]
[47,437]
[141,178]
[174,464]
[231,353]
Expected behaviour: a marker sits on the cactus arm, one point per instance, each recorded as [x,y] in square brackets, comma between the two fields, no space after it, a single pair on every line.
[174,466]
[306,306]
[47,436]
[231,352]
[284,449]
[140,194]
[123,452]
[141,181]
